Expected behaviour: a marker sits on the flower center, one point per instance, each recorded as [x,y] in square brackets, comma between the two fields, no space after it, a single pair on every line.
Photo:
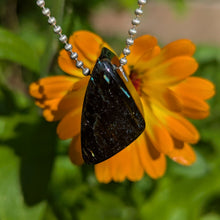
[135,81]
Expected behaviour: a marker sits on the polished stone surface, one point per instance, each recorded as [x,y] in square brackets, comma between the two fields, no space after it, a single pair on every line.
[110,117]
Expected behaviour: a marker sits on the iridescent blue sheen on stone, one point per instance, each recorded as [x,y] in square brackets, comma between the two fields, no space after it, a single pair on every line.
[110,118]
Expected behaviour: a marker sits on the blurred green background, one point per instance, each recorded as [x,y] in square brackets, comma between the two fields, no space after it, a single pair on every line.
[37,179]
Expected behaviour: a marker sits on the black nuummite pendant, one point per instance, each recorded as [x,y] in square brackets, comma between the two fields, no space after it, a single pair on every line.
[110,118]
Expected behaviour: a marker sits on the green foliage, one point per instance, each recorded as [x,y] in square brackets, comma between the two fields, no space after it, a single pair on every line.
[12,205]
[15,49]
[37,179]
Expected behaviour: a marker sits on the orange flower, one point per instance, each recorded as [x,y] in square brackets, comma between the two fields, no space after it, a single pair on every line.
[167,94]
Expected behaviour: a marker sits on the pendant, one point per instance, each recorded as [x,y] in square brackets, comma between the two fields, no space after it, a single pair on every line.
[110,118]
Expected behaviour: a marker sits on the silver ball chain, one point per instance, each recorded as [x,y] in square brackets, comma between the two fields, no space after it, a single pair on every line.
[132,32]
[68,47]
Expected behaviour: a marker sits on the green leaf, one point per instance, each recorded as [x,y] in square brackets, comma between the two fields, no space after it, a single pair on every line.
[35,144]
[12,204]
[211,216]
[14,49]
[181,198]
[206,54]
[108,206]
[198,169]
[67,190]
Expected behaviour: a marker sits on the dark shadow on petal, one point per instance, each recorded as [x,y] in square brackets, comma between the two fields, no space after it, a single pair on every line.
[178,144]
[152,150]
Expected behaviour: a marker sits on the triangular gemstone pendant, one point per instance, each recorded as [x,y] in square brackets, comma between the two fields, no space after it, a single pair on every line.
[110,118]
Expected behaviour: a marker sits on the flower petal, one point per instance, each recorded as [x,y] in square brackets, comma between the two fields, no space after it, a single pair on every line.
[171,101]
[103,172]
[70,125]
[55,109]
[68,65]
[50,106]
[181,129]
[193,107]
[170,51]
[153,162]
[49,92]
[118,166]
[72,100]
[75,152]
[181,47]
[162,139]
[51,87]
[162,96]
[88,47]
[135,170]
[142,45]
[125,164]
[157,133]
[184,156]
[171,72]
[196,86]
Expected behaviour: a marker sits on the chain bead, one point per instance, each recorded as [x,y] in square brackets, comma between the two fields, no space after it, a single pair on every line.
[41,3]
[126,51]
[68,47]
[136,21]
[132,31]
[73,55]
[52,20]
[79,64]
[142,2]
[86,71]
[139,11]
[130,41]
[123,61]
[57,29]
[46,12]
[63,38]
